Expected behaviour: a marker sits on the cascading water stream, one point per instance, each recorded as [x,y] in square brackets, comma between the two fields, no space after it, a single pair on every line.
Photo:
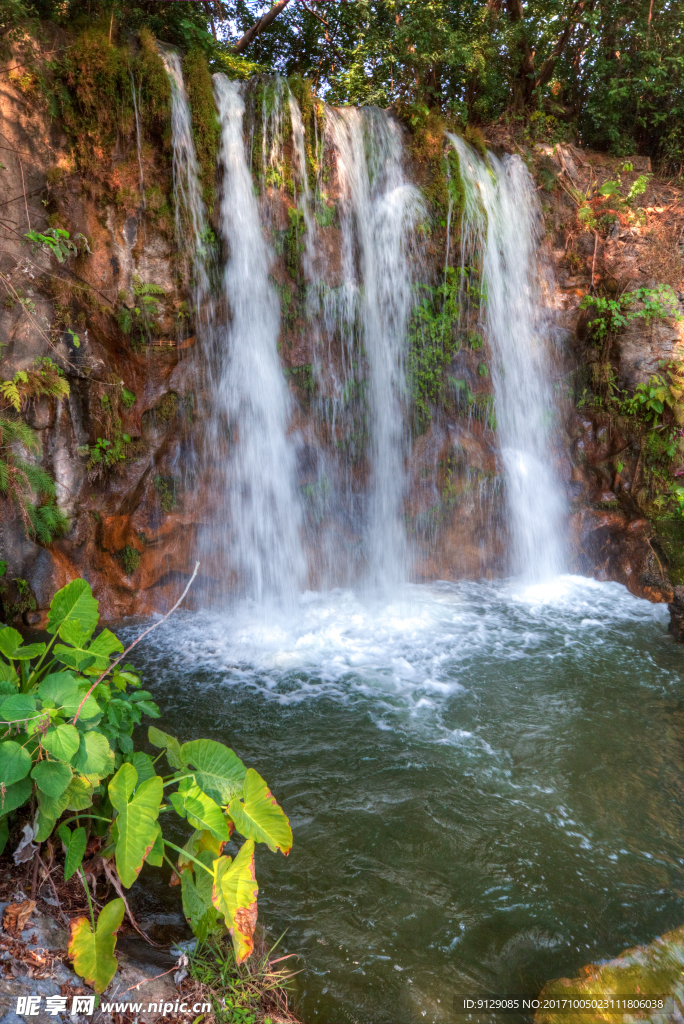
[260,528]
[378,209]
[190,213]
[502,222]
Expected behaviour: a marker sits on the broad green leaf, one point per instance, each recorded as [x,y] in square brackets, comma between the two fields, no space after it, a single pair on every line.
[9,680]
[93,953]
[62,741]
[260,817]
[18,708]
[106,644]
[73,633]
[10,640]
[149,708]
[49,810]
[28,652]
[52,777]
[15,762]
[75,843]
[199,911]
[220,772]
[94,756]
[63,689]
[156,855]
[46,824]
[79,794]
[75,602]
[173,748]
[4,834]
[74,657]
[137,819]
[15,795]
[235,896]
[202,812]
[142,764]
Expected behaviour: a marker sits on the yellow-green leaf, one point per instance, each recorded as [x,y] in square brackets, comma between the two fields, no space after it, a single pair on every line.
[260,817]
[137,819]
[234,894]
[79,794]
[202,812]
[94,755]
[93,953]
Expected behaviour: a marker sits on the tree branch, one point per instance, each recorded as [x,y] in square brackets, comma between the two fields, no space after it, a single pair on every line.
[549,64]
[315,14]
[263,22]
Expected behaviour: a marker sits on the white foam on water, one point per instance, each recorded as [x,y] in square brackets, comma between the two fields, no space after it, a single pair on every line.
[415,650]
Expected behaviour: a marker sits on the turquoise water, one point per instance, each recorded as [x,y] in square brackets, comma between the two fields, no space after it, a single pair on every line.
[485,781]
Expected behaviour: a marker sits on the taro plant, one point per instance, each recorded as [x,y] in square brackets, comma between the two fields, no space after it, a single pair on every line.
[68,708]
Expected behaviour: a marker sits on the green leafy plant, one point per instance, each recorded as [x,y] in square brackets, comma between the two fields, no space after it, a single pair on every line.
[432,342]
[68,708]
[56,241]
[610,316]
[139,321]
[130,559]
[28,488]
[43,379]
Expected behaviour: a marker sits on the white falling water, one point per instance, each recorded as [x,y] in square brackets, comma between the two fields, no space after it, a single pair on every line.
[138,138]
[262,508]
[502,222]
[190,214]
[378,210]
[302,189]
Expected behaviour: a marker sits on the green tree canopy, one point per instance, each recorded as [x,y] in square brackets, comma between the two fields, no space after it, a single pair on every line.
[611,70]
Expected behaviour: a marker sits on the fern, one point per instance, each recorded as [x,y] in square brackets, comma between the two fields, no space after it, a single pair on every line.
[21,479]
[48,521]
[43,380]
[10,392]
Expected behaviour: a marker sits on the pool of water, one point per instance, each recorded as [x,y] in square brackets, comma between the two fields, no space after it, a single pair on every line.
[485,781]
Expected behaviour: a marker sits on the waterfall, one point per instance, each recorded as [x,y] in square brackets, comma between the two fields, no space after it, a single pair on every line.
[378,209]
[261,515]
[138,142]
[502,223]
[190,214]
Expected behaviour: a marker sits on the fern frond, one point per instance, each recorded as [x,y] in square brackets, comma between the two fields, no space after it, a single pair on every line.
[10,392]
[14,432]
[48,521]
[36,478]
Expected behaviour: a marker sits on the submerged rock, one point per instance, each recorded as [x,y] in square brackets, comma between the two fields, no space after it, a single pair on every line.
[641,972]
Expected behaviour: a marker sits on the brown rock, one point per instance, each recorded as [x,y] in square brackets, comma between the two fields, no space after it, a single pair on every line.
[676,606]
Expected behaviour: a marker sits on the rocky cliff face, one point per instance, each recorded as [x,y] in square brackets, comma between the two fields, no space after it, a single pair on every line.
[123,447]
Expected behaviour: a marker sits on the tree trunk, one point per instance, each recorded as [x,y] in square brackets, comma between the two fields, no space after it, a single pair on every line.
[263,22]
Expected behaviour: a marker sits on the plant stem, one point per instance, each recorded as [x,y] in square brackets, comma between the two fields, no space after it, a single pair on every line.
[188,855]
[87,892]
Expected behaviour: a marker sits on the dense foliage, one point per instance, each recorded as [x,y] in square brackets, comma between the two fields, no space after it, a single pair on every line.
[610,70]
[68,764]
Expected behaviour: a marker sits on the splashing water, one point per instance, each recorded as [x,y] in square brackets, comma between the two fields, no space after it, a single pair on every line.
[260,524]
[379,208]
[502,222]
